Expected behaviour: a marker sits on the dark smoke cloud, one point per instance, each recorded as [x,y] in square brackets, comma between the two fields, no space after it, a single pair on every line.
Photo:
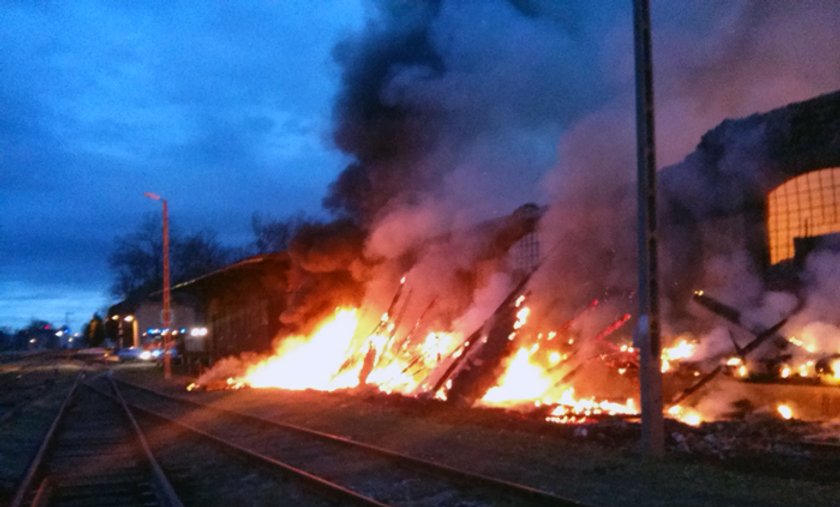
[328,271]
[384,135]
[457,111]
[457,100]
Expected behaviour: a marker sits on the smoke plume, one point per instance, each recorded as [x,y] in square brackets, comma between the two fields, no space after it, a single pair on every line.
[453,112]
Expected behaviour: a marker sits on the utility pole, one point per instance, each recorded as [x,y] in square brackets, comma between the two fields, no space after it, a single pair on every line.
[647,336]
[166,312]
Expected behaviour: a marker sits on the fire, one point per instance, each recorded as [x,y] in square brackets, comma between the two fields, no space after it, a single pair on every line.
[529,379]
[835,369]
[336,356]
[802,344]
[680,351]
[523,380]
[685,415]
[739,367]
[572,410]
[310,362]
[785,411]
[344,353]
[832,374]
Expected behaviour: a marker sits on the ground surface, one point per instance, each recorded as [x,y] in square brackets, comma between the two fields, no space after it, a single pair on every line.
[598,466]
[31,392]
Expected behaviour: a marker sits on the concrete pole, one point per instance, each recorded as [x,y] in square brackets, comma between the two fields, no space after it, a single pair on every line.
[647,329]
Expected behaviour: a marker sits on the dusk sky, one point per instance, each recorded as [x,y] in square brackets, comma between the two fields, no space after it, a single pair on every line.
[222,108]
[227,109]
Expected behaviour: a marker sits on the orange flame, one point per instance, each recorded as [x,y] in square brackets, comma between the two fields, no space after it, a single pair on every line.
[314,362]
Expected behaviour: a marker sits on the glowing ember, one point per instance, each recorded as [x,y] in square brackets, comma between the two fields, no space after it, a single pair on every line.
[572,410]
[734,361]
[801,344]
[835,369]
[685,415]
[806,369]
[521,317]
[785,411]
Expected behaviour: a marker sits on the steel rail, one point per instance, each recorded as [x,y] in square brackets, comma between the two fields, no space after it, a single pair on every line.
[324,486]
[26,483]
[537,496]
[164,487]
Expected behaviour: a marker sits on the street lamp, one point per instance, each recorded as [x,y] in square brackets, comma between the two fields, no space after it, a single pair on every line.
[166,313]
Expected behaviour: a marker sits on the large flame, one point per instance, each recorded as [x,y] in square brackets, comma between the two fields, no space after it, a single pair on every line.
[680,351]
[336,356]
[522,381]
[535,374]
[312,362]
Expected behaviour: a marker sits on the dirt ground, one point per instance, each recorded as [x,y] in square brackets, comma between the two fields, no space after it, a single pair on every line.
[596,464]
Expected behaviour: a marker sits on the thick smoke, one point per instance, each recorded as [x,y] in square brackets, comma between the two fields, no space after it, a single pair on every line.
[458,111]
[454,112]
[452,102]
[328,270]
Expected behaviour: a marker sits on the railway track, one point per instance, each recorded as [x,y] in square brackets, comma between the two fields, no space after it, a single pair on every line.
[94,454]
[23,384]
[377,476]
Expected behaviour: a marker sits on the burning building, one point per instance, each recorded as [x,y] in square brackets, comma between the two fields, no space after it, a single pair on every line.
[465,323]
[445,124]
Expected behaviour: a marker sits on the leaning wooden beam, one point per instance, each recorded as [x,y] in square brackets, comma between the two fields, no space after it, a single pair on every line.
[734,316]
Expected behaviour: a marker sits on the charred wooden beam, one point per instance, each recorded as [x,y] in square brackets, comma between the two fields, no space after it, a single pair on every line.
[613,327]
[725,311]
[734,316]
[503,314]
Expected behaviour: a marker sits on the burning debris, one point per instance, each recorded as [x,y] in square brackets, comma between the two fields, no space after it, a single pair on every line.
[507,362]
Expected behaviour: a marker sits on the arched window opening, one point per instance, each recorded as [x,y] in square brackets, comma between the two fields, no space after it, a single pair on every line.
[805,206]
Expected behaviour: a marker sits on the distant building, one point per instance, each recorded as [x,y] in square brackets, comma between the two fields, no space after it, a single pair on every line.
[225,312]
[136,321]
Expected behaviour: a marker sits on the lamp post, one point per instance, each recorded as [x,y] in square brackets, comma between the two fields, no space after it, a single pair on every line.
[166,313]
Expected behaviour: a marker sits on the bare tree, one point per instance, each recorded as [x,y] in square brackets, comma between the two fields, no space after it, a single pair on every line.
[136,261]
[197,254]
[274,234]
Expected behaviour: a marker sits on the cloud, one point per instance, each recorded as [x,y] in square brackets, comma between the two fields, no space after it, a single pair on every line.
[221,108]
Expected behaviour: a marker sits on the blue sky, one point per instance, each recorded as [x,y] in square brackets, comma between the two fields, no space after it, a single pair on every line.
[223,108]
